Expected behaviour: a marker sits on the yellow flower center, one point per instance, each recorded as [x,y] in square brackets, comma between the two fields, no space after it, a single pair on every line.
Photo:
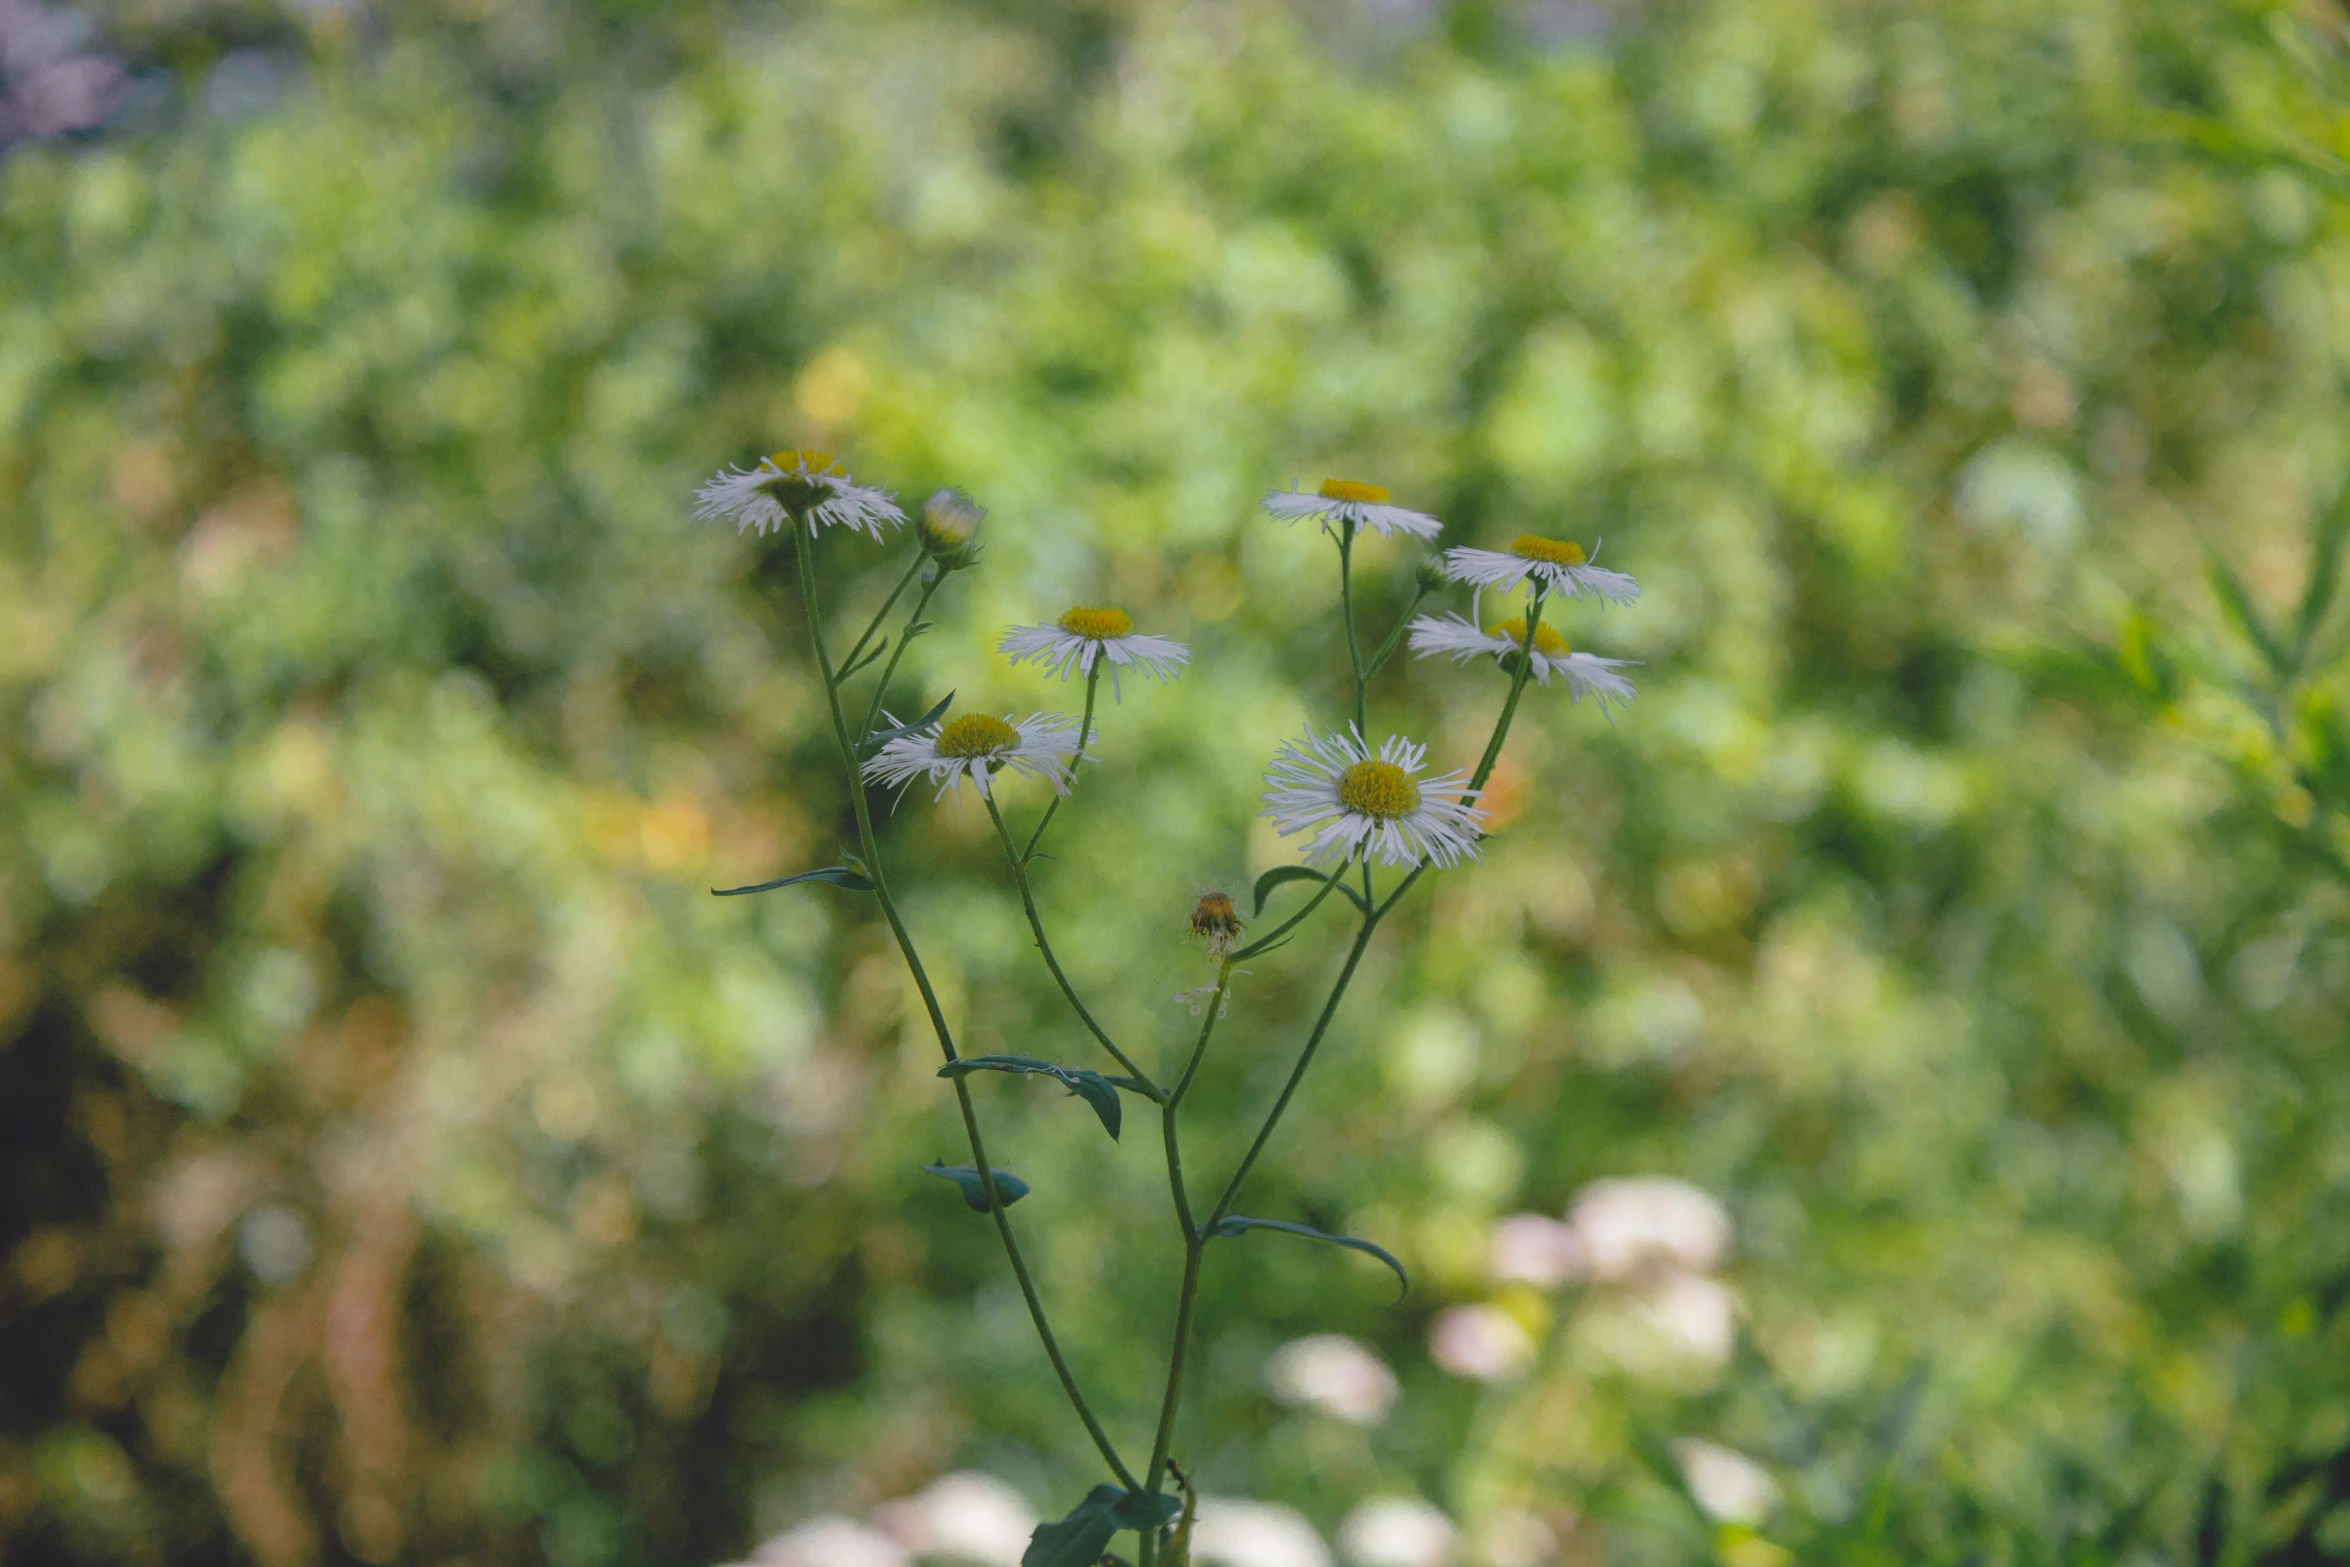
[977,735]
[1348,490]
[1097,625]
[1551,552]
[791,460]
[1546,641]
[1377,788]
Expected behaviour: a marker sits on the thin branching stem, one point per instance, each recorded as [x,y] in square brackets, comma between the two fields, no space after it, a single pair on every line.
[1346,606]
[1194,1239]
[930,585]
[938,1022]
[849,659]
[1093,679]
[1044,946]
[1329,886]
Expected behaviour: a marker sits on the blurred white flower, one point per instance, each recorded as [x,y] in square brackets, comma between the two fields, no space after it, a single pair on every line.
[1729,1485]
[830,1541]
[1515,1537]
[1533,1248]
[1697,1317]
[967,1515]
[1255,1534]
[1396,1531]
[1334,1375]
[1633,1224]
[1482,1342]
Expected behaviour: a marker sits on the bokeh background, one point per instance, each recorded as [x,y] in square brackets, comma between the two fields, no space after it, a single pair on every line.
[404,1159]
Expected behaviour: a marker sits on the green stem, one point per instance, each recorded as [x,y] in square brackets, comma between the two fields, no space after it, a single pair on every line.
[1036,929]
[849,660]
[1286,926]
[1387,648]
[930,585]
[1194,1240]
[1346,605]
[938,1022]
[1093,679]
[1509,708]
[1354,958]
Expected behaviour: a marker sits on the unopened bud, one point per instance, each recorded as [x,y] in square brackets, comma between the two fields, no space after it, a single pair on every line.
[950,527]
[1429,576]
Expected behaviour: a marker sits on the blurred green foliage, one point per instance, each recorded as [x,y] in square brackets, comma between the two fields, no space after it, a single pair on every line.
[405,1159]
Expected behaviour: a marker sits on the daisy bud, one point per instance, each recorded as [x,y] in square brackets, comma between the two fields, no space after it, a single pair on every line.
[950,527]
[1429,576]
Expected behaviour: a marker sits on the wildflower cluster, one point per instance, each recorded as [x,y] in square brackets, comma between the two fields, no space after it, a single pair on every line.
[1362,807]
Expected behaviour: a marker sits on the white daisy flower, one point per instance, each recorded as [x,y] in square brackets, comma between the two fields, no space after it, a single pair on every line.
[1559,564]
[1367,804]
[756,497]
[1083,637]
[1343,500]
[1587,673]
[977,746]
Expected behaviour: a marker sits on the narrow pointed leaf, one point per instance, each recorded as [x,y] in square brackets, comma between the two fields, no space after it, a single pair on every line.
[837,875]
[2325,576]
[1288,873]
[871,747]
[2239,608]
[1240,1224]
[1096,1090]
[966,1176]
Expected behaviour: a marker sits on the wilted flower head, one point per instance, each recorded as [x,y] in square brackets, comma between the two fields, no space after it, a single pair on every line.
[1641,1223]
[1397,1531]
[1332,1374]
[949,529]
[1483,1343]
[1215,921]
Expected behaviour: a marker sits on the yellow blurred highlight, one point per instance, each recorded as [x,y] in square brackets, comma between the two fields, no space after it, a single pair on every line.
[830,392]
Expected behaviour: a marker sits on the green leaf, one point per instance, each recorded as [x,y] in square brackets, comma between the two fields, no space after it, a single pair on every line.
[1095,1089]
[1287,873]
[1079,1539]
[2325,576]
[1240,1224]
[966,1176]
[2241,612]
[871,746]
[838,875]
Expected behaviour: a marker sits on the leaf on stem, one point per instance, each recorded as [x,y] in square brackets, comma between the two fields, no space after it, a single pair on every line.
[837,875]
[2237,605]
[1096,1090]
[1233,1224]
[1079,1539]
[871,746]
[1288,873]
[974,1189]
